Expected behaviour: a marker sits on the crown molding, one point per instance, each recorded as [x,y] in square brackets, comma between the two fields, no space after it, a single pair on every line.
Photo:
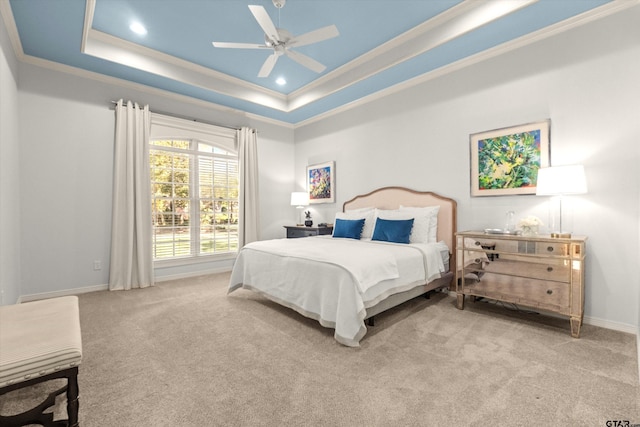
[460,19]
[12,29]
[560,27]
[113,49]
[449,25]
[139,87]
[203,76]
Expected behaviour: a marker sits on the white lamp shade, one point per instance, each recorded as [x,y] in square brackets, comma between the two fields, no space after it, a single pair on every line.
[299,198]
[561,180]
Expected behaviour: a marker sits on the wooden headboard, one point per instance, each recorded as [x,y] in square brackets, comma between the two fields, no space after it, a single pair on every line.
[393,197]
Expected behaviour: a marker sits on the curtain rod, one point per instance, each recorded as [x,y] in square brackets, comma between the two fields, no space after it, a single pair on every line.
[190,119]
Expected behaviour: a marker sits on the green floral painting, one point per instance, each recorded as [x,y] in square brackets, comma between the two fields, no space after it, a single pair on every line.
[507,162]
[510,161]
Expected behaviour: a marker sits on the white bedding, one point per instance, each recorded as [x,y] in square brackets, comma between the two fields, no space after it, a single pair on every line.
[335,280]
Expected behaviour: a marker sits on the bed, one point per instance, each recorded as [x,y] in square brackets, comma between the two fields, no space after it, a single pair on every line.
[343,282]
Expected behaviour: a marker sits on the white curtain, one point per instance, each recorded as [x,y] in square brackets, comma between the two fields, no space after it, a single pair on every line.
[247,145]
[131,230]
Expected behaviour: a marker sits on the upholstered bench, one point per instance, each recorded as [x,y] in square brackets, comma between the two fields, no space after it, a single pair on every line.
[41,341]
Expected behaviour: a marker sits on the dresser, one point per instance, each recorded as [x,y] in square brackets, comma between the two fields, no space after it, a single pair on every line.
[535,271]
[294,231]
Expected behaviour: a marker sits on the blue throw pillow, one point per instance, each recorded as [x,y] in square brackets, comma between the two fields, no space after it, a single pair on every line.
[348,228]
[393,230]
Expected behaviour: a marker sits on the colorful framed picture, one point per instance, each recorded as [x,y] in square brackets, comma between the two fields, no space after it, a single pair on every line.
[321,183]
[506,161]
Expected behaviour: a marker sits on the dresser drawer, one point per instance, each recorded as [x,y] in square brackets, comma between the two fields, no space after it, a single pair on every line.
[558,270]
[523,247]
[299,232]
[554,296]
[551,248]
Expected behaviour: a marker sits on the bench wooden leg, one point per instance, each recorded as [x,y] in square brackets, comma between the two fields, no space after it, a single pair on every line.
[37,415]
[73,403]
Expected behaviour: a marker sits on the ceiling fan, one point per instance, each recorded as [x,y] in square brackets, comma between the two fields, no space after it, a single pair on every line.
[281,41]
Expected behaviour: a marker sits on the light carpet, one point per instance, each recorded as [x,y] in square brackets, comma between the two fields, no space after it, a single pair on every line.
[184,353]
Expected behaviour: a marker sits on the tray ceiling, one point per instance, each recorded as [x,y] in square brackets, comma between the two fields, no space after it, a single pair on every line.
[382,44]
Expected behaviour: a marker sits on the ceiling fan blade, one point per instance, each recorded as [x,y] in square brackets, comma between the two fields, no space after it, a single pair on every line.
[265,22]
[241,45]
[268,65]
[315,36]
[308,62]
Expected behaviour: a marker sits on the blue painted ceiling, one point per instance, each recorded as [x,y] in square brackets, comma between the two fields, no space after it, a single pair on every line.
[184,29]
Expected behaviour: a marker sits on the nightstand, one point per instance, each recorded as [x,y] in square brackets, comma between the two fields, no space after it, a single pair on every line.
[535,271]
[294,231]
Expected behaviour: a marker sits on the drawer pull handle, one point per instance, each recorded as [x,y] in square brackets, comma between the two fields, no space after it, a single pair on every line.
[549,291]
[550,248]
[549,269]
[477,243]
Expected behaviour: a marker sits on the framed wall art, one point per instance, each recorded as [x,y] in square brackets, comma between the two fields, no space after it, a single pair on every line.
[321,183]
[506,161]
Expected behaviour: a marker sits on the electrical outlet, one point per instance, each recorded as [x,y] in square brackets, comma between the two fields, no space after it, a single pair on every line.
[97,265]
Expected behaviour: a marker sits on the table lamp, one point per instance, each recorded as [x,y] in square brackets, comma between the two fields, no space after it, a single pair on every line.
[560,181]
[300,199]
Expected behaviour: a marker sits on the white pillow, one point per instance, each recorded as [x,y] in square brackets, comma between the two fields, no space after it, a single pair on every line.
[366,213]
[431,212]
[359,210]
[420,230]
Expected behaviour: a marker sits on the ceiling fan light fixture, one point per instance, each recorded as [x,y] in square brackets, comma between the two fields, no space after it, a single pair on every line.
[281,81]
[279,3]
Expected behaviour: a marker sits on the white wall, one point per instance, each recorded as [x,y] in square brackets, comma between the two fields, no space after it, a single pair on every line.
[9,180]
[585,81]
[67,130]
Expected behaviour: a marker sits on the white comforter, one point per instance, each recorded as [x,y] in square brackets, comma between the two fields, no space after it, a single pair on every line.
[334,280]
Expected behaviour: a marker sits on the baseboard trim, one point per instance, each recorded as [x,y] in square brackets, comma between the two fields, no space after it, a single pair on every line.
[62,293]
[608,324]
[638,342]
[96,288]
[594,321]
[193,274]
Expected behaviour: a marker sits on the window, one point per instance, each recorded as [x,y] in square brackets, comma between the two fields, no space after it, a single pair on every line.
[194,195]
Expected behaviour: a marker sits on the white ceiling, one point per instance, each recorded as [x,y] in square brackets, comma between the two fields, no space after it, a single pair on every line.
[382,44]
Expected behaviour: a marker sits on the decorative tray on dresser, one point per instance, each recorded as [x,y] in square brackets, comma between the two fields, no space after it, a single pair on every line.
[536,271]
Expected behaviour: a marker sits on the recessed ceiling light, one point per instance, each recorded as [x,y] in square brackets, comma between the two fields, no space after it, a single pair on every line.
[281,81]
[138,28]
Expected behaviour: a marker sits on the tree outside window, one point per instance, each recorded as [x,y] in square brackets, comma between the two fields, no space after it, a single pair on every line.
[194,199]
